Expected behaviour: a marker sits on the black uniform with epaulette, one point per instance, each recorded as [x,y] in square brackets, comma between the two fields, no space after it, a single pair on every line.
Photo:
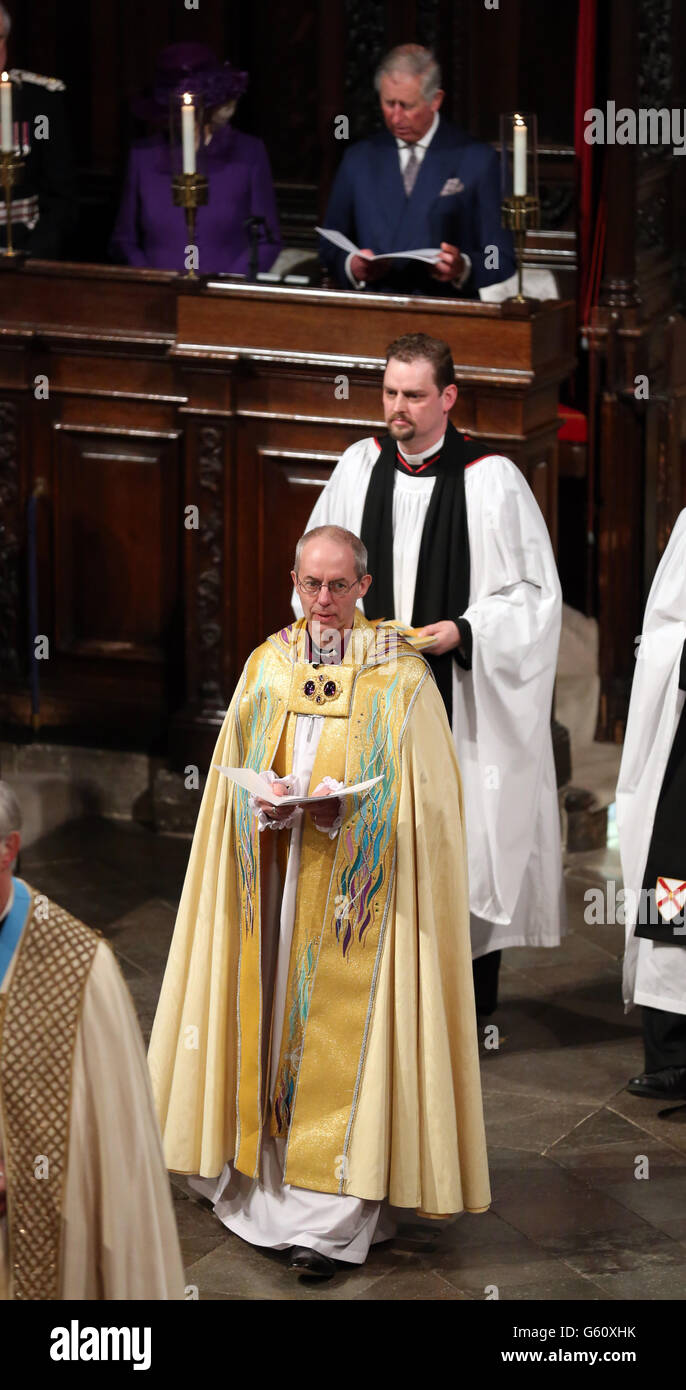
[44,206]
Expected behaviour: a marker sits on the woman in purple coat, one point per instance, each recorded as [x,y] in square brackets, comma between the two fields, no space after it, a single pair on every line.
[150,230]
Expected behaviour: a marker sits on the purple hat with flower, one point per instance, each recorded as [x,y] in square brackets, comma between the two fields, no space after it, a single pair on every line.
[194,68]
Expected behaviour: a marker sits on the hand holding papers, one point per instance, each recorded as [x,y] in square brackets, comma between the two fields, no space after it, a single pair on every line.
[428,254]
[414,635]
[252,782]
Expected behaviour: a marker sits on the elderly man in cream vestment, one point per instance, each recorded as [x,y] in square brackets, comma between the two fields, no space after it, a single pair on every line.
[85,1207]
[314,1054]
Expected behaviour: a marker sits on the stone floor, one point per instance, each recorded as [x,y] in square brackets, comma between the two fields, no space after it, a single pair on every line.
[570,1218]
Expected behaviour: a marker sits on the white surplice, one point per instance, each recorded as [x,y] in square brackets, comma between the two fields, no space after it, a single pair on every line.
[501,708]
[270,1212]
[654,972]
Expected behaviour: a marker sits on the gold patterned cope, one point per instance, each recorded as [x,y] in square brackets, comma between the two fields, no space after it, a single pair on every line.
[39,1023]
[343,897]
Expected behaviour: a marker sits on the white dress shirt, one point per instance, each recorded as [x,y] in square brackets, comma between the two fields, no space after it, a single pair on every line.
[411,498]
[420,147]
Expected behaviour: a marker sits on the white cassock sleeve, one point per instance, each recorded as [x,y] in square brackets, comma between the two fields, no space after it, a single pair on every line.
[654,711]
[119,1234]
[342,500]
[502,716]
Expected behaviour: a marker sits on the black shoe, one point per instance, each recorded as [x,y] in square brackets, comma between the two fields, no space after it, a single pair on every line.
[667,1084]
[485,970]
[310,1262]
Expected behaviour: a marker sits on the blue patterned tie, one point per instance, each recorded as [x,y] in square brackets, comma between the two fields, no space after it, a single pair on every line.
[410,172]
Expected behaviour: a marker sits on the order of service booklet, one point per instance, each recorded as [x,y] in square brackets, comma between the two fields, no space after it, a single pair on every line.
[251,781]
[430,254]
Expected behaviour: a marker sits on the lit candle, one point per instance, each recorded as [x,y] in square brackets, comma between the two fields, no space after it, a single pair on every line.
[6,138]
[519,181]
[188,133]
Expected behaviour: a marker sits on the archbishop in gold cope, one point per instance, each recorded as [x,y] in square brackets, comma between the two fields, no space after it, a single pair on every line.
[315,1034]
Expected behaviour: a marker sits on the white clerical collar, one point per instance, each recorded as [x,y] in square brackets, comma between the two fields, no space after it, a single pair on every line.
[9,904]
[423,144]
[331,656]
[414,460]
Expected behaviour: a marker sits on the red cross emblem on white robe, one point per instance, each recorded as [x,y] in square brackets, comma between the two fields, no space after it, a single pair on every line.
[670,895]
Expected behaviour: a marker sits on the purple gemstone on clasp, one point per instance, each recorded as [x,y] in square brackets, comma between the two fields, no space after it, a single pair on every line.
[330,689]
[309,688]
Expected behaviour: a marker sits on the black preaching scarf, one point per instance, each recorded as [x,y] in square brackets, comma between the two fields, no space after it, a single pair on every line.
[442,587]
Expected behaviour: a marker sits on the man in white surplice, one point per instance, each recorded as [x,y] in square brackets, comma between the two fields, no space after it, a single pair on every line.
[459,548]
[651,819]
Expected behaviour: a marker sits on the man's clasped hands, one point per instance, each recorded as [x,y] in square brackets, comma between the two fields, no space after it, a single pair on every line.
[323,816]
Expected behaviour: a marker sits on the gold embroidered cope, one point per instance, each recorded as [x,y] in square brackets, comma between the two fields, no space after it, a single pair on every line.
[344,890]
[377,1082]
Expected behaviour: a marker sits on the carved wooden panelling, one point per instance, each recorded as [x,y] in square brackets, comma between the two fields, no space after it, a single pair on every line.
[115,583]
[290,485]
[10,543]
[209,564]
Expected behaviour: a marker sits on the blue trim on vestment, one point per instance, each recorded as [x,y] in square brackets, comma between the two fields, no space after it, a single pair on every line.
[11,928]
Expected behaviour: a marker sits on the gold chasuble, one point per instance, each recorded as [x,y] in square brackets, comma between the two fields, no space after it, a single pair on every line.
[378,1090]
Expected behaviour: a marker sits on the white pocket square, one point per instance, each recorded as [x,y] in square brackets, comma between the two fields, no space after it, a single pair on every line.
[451,186]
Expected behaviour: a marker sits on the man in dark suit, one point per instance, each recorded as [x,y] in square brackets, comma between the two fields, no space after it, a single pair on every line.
[420,183]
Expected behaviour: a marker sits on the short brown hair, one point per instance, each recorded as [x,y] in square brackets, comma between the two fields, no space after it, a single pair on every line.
[415,346]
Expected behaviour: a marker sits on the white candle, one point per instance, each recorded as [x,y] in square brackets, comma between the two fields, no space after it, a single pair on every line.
[519,181]
[188,133]
[6,136]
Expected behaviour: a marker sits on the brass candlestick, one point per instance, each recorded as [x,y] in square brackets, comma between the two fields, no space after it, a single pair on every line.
[519,212]
[190,191]
[11,165]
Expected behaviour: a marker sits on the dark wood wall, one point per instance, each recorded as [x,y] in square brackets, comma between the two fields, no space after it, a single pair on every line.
[637,442]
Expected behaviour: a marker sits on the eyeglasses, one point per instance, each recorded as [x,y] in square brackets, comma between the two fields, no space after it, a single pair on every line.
[336,587]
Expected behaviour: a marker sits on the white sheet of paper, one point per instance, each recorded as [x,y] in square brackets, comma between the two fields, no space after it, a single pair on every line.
[429,254]
[251,781]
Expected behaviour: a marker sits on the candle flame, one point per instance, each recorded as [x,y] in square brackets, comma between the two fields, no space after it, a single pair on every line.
[187,99]
[5,77]
[519,120]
